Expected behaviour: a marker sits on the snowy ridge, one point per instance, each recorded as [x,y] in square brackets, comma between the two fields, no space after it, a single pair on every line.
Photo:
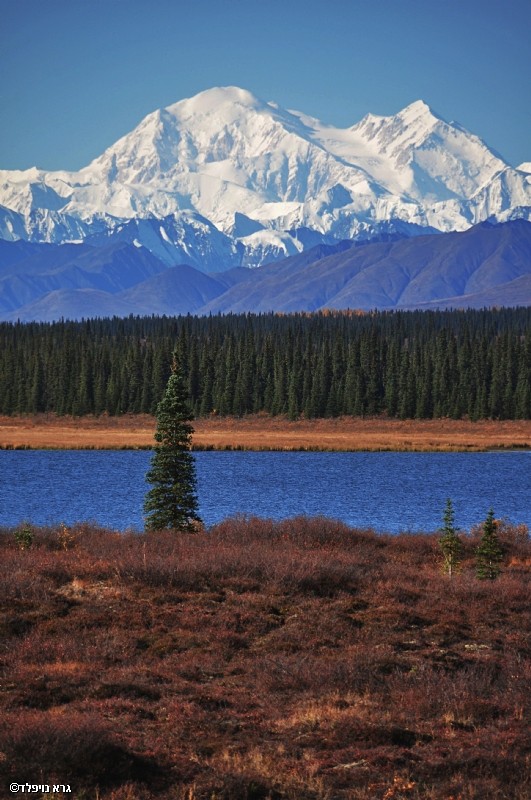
[224,179]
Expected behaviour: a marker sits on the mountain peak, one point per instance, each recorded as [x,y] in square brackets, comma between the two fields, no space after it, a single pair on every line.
[417,109]
[416,119]
[211,100]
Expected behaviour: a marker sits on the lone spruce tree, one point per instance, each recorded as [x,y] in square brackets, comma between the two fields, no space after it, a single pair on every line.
[489,552]
[449,542]
[172,501]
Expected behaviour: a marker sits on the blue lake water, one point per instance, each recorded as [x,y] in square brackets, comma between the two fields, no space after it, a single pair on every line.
[387,491]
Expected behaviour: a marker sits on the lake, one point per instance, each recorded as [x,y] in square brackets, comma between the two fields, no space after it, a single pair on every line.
[387,491]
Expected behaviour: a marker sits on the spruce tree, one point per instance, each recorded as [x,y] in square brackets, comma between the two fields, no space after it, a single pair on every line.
[489,552]
[172,501]
[449,541]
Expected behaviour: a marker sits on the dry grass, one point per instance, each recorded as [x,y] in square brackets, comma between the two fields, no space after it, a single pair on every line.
[259,432]
[299,660]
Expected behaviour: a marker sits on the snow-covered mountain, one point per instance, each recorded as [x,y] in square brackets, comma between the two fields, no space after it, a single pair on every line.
[224,179]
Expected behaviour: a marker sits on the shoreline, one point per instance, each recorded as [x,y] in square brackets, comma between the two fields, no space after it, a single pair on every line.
[264,433]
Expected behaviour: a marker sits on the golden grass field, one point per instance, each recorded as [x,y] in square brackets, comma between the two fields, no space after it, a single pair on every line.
[261,432]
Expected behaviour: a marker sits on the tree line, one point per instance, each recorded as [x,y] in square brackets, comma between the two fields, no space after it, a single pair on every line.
[428,364]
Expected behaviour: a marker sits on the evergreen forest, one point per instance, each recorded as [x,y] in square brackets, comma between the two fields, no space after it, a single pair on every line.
[407,364]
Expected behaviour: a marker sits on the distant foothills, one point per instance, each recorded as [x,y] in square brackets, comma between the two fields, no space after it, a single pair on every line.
[405,364]
[226,203]
[487,265]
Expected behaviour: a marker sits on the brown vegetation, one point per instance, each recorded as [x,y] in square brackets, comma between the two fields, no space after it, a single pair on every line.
[262,432]
[300,660]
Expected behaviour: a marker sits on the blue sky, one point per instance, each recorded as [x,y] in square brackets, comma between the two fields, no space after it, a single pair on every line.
[78,74]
